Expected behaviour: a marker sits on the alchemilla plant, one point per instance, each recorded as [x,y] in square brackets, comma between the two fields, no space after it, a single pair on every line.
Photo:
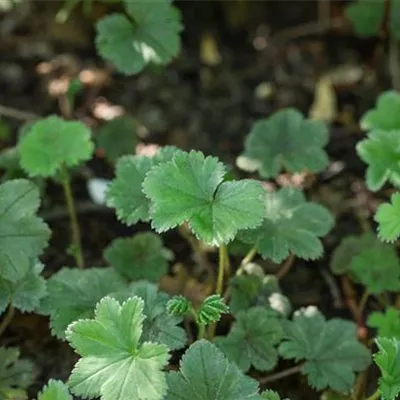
[124,329]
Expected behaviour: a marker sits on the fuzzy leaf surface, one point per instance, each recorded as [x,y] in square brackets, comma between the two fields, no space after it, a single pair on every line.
[117,137]
[286,140]
[55,390]
[378,271]
[22,234]
[153,37]
[252,340]
[114,365]
[387,323]
[205,374]
[385,116]
[74,293]
[366,16]
[388,218]
[211,309]
[191,188]
[125,191]
[291,225]
[381,151]
[52,142]
[330,349]
[26,293]
[142,256]
[178,306]
[249,290]
[388,361]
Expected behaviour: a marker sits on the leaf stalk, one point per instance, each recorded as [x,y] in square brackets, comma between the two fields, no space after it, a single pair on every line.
[7,319]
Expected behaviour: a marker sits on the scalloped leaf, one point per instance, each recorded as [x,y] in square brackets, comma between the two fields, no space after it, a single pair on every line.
[74,293]
[113,364]
[23,235]
[26,293]
[330,349]
[125,191]
[178,306]
[53,142]
[286,140]
[191,188]
[205,374]
[141,256]
[291,225]
[385,116]
[252,340]
[55,390]
[387,323]
[381,152]
[211,309]
[149,35]
[366,16]
[388,218]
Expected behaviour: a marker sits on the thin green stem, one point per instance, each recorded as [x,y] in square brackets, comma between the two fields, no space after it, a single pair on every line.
[374,396]
[7,319]
[282,374]
[247,259]
[363,302]
[223,256]
[201,332]
[75,231]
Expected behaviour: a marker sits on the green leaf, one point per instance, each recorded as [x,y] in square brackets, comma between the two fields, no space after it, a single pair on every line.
[125,191]
[270,395]
[55,390]
[114,365]
[205,374]
[387,323]
[394,19]
[378,271]
[252,340]
[350,247]
[381,151]
[385,116]
[24,294]
[14,373]
[388,361]
[151,37]
[388,218]
[286,140]
[117,137]
[366,16]
[211,309]
[178,306]
[142,256]
[291,225]
[249,290]
[191,188]
[22,234]
[73,294]
[53,142]
[330,349]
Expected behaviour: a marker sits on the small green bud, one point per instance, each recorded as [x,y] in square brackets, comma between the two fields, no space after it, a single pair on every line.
[211,309]
[178,306]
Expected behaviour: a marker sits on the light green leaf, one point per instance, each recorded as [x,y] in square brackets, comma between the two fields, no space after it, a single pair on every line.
[55,390]
[114,365]
[73,294]
[388,361]
[330,349]
[191,188]
[142,256]
[14,373]
[378,271]
[381,151]
[22,234]
[178,306]
[53,142]
[366,16]
[385,116]
[252,340]
[117,137]
[291,225]
[270,395]
[205,374]
[26,293]
[388,218]
[286,140]
[387,323]
[151,37]
[211,309]
[249,290]
[125,191]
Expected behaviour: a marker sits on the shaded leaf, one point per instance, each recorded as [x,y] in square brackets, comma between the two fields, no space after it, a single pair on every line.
[55,390]
[366,16]
[387,323]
